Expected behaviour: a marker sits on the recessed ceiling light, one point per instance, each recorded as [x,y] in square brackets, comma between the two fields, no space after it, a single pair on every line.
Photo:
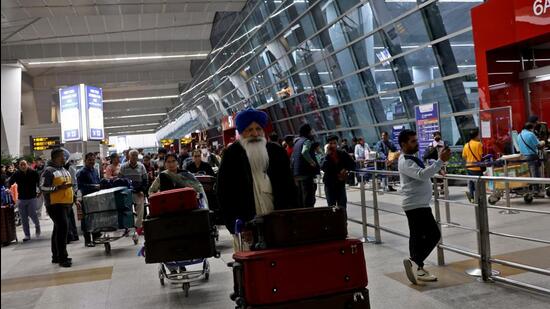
[142,98]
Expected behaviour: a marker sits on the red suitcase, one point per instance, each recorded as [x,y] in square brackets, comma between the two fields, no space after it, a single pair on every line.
[346,300]
[283,275]
[172,201]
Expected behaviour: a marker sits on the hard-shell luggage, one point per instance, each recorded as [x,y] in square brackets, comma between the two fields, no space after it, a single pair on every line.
[179,237]
[208,183]
[274,276]
[103,200]
[125,219]
[7,225]
[346,300]
[123,199]
[104,221]
[286,228]
[172,201]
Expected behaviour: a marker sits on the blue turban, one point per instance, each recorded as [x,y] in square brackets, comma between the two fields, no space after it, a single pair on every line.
[248,116]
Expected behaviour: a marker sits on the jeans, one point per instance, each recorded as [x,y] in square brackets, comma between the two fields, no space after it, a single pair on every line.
[471,183]
[39,204]
[534,170]
[59,215]
[139,202]
[336,195]
[27,208]
[306,191]
[424,234]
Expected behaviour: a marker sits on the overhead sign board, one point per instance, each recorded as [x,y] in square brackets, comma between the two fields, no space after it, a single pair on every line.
[71,126]
[81,113]
[94,108]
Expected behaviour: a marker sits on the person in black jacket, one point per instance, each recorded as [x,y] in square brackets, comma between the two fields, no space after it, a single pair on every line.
[198,166]
[255,176]
[336,165]
[27,181]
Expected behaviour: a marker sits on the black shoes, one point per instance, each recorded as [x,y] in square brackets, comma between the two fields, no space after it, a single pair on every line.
[67,263]
[90,244]
[56,261]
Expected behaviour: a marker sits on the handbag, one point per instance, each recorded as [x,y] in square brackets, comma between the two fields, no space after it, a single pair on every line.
[482,168]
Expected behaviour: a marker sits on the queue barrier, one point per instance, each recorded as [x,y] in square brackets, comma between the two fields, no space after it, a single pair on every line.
[482,229]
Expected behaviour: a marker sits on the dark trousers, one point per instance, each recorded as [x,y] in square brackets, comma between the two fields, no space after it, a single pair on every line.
[59,215]
[336,194]
[424,234]
[472,184]
[306,191]
[72,231]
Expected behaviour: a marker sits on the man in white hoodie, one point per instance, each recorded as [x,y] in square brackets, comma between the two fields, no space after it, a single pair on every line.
[417,191]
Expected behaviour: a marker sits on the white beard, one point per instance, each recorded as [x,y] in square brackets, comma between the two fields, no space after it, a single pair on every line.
[256,152]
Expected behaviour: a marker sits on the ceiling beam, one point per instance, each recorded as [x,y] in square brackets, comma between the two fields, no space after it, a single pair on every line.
[101,50]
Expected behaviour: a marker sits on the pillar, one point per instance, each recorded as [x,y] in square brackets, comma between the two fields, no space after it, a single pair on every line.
[11,109]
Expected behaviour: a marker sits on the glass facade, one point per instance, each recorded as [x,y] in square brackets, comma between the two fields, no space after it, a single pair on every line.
[347,67]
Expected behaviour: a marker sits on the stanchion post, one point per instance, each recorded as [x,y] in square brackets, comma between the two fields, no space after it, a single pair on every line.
[440,253]
[377,237]
[483,226]
[366,238]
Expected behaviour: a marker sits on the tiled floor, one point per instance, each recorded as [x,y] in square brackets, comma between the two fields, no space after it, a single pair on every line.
[123,280]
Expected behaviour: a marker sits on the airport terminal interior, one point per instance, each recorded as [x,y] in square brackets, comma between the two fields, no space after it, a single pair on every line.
[275,154]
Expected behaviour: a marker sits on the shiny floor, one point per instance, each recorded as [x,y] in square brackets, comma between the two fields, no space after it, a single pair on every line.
[123,280]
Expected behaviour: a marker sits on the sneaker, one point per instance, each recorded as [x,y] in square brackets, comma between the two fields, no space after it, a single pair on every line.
[90,244]
[391,189]
[27,238]
[424,275]
[470,197]
[411,275]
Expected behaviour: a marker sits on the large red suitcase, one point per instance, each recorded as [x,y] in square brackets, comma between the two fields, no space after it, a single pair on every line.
[283,275]
[172,201]
[346,300]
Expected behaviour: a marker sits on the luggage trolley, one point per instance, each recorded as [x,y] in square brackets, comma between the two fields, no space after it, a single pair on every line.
[176,272]
[510,165]
[109,236]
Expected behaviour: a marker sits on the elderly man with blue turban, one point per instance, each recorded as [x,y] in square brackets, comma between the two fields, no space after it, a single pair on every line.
[255,176]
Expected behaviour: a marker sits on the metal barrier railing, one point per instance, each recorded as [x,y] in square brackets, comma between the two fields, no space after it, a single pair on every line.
[482,228]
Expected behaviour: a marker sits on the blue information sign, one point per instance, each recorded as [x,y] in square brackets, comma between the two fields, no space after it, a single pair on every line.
[71,127]
[427,122]
[94,108]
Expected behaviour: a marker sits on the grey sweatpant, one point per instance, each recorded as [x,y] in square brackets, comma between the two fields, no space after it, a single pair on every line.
[27,208]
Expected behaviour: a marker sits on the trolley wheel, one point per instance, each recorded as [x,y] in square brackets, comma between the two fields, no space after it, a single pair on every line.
[217,255]
[528,198]
[206,276]
[548,191]
[186,286]
[107,248]
[161,277]
[493,199]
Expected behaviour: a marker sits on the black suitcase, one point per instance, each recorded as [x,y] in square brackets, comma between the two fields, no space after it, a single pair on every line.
[346,300]
[7,225]
[179,237]
[293,227]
